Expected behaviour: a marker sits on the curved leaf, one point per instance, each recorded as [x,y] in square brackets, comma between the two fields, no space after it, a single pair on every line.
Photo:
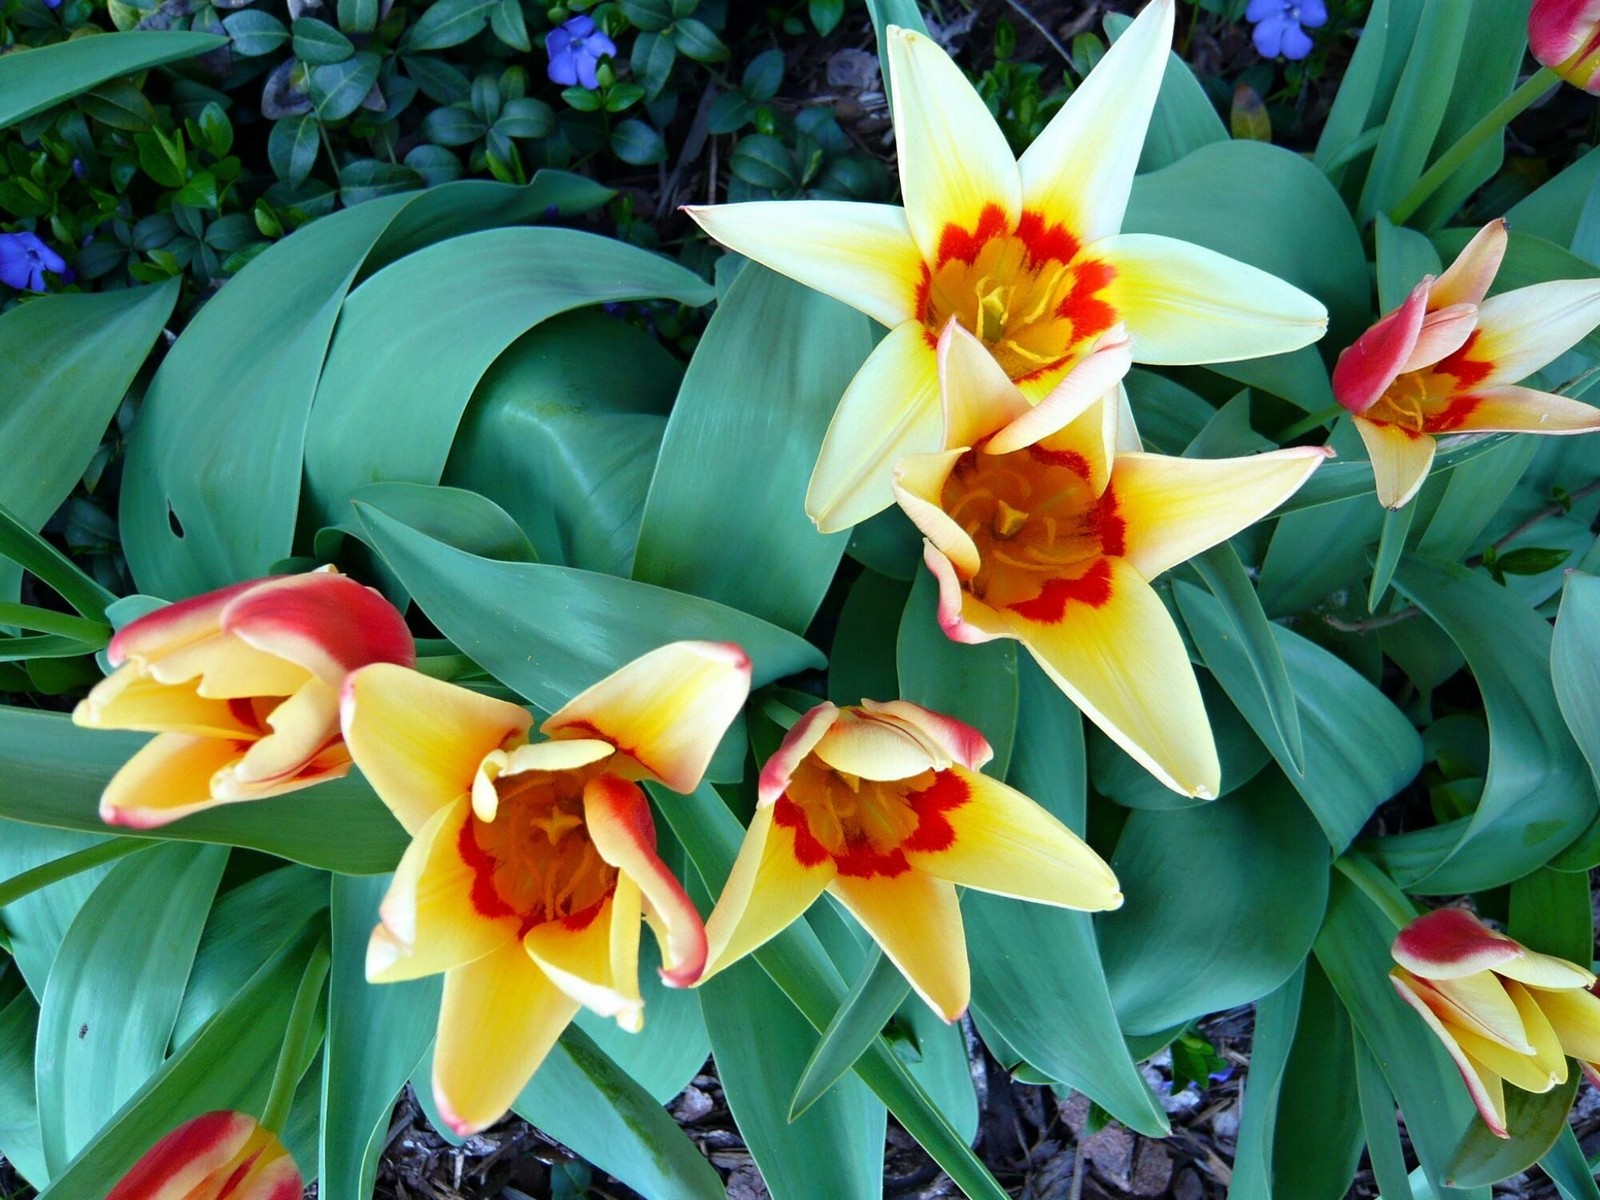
[32,81]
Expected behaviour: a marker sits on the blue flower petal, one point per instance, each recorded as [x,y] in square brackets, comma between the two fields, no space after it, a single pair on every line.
[1268,35]
[1296,42]
[586,75]
[1260,10]
[1313,13]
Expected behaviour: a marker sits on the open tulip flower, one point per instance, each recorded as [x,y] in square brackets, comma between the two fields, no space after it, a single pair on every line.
[1564,35]
[217,1156]
[1039,528]
[1026,254]
[883,806]
[242,687]
[1448,360]
[532,863]
[1504,1012]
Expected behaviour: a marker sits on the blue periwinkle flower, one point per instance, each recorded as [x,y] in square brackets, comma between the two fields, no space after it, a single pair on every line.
[24,259]
[575,47]
[1279,26]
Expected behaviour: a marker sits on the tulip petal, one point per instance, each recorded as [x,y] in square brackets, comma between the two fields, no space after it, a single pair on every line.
[577,958]
[498,1019]
[976,396]
[1124,664]
[1485,1088]
[770,885]
[1089,385]
[419,741]
[429,922]
[1561,35]
[1513,409]
[1519,1070]
[665,710]
[1006,844]
[173,626]
[871,746]
[302,726]
[917,920]
[1400,460]
[861,254]
[1480,1003]
[1546,971]
[619,822]
[957,173]
[1443,332]
[1080,169]
[961,616]
[167,778]
[131,699]
[1450,943]
[227,669]
[1374,360]
[569,754]
[326,622]
[215,1156]
[918,483]
[959,741]
[627,919]
[1467,280]
[1185,304]
[1519,332]
[803,735]
[1574,1014]
[891,409]
[1174,508]
[1549,1057]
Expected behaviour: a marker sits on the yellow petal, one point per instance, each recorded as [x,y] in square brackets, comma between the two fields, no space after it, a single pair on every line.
[976,396]
[1400,460]
[1549,1057]
[167,778]
[961,615]
[803,735]
[878,747]
[1002,842]
[768,889]
[918,485]
[130,699]
[227,668]
[627,918]
[890,409]
[1574,1014]
[1521,331]
[861,254]
[1080,169]
[1443,332]
[1467,280]
[302,726]
[1518,410]
[1176,507]
[429,921]
[917,920]
[1545,971]
[499,1017]
[419,740]
[173,626]
[216,1156]
[1092,384]
[955,166]
[665,710]
[958,741]
[578,960]
[1124,664]
[566,755]
[1186,304]
[1519,1070]
[1481,1004]
[1488,1095]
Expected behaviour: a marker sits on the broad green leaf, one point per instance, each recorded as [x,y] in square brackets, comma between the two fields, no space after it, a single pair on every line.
[1569,1169]
[1551,913]
[1353,948]
[665,1056]
[229,1065]
[725,517]
[1473,494]
[1554,209]
[1352,110]
[1359,748]
[1319,1082]
[1341,481]
[20,1140]
[1275,1018]
[23,546]
[1169,415]
[1378,1120]
[1268,207]
[35,924]
[376,1034]
[387,407]
[68,361]
[1575,662]
[1539,794]
[55,773]
[877,992]
[861,665]
[1036,974]
[1175,952]
[109,1008]
[1534,1121]
[461,518]
[974,683]
[562,433]
[212,487]
[31,80]
[584,1100]
[1391,545]
[1184,118]
[1404,257]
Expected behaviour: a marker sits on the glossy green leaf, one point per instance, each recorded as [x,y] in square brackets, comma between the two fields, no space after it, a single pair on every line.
[1184,118]
[541,401]
[33,80]
[1036,974]
[877,992]
[862,662]
[1359,748]
[1319,1082]
[1342,480]
[584,1100]
[376,1034]
[1474,492]
[725,517]
[109,1008]
[55,773]
[1198,944]
[1378,1120]
[463,519]
[1569,1169]
[1275,1018]
[20,1140]
[211,491]
[1352,113]
[1575,662]
[1551,913]
[1534,1122]
[1404,257]
[387,407]
[35,924]
[1391,545]
[974,683]
[1539,794]
[23,546]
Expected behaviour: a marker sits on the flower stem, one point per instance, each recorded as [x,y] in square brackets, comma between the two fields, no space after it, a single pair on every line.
[296,1039]
[66,866]
[1496,119]
[1376,886]
[1306,424]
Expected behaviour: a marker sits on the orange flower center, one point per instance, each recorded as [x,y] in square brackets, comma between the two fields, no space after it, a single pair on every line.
[1026,293]
[535,860]
[1044,538]
[1427,400]
[866,826]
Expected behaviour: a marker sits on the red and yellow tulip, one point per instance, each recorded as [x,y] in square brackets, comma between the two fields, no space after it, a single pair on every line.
[1505,1013]
[1025,253]
[1564,35]
[216,1156]
[884,807]
[1040,528]
[241,686]
[1448,361]
[532,863]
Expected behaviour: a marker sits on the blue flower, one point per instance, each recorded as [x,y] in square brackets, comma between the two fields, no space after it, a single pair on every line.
[24,259]
[575,47]
[1278,26]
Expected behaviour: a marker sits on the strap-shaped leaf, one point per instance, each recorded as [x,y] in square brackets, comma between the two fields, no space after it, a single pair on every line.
[46,75]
